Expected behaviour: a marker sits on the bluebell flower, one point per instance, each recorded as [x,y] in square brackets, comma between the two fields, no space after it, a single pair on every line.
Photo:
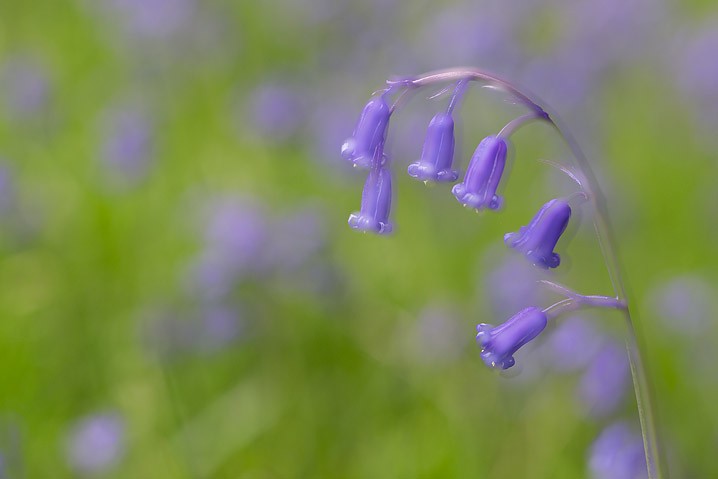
[367,142]
[538,239]
[375,203]
[437,157]
[478,190]
[498,344]
[236,233]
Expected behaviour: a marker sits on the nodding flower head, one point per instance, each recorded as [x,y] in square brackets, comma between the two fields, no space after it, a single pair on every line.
[368,139]
[478,190]
[375,203]
[437,156]
[499,344]
[538,239]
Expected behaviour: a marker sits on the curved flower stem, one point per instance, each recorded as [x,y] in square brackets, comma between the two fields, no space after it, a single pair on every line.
[603,232]
[516,123]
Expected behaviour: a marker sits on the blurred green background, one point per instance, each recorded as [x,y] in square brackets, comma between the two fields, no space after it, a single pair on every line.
[180,294]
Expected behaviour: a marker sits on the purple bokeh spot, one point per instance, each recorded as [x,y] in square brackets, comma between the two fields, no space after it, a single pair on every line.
[25,87]
[276,111]
[127,147]
[617,453]
[685,304]
[96,443]
[152,19]
[605,382]
[236,231]
[571,345]
[511,286]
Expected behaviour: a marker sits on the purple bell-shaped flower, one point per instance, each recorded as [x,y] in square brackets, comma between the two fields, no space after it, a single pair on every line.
[437,157]
[538,239]
[500,343]
[368,139]
[375,203]
[478,190]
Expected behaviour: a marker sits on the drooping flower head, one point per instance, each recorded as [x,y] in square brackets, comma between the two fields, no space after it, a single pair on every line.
[498,344]
[375,203]
[538,239]
[437,157]
[478,190]
[367,142]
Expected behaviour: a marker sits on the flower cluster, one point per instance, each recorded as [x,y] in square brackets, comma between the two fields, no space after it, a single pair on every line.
[478,188]
[605,367]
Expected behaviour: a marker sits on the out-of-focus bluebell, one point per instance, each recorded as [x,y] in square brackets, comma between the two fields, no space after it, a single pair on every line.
[218,327]
[128,144]
[617,453]
[510,285]
[685,304]
[566,77]
[235,230]
[603,385]
[96,443]
[276,111]
[461,34]
[695,70]
[328,123]
[172,333]
[151,19]
[295,240]
[635,27]
[571,345]
[7,190]
[24,86]
[11,449]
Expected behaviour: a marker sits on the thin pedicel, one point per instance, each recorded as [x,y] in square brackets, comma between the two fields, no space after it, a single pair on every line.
[478,190]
